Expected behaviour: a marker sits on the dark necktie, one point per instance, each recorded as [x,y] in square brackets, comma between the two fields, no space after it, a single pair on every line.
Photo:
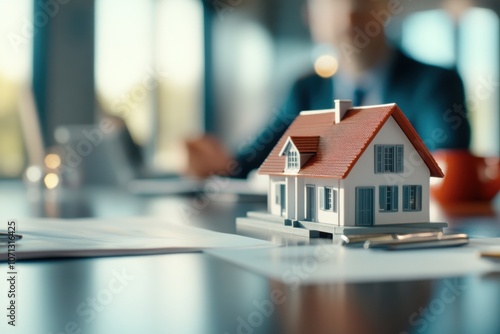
[359,96]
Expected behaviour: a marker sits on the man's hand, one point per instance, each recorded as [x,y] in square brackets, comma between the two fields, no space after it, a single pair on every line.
[206,156]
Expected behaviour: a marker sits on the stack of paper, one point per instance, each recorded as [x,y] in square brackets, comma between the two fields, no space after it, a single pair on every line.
[327,263]
[49,238]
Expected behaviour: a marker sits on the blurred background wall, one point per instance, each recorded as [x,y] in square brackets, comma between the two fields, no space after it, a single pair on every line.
[173,69]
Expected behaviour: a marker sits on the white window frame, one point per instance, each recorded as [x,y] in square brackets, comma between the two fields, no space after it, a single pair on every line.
[292,160]
[389,159]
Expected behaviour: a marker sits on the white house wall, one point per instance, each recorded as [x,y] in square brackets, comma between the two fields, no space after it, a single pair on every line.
[343,207]
[295,201]
[363,174]
[290,183]
[329,217]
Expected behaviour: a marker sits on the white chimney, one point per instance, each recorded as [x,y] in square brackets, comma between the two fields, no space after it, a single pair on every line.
[341,107]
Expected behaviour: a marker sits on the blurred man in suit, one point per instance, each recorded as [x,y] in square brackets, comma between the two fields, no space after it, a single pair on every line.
[370,72]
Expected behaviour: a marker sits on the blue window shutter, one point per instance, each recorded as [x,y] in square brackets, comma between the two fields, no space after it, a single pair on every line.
[399,158]
[379,158]
[395,198]
[382,196]
[321,198]
[358,201]
[334,199]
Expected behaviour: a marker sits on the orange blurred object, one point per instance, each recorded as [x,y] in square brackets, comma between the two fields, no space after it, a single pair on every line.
[467,177]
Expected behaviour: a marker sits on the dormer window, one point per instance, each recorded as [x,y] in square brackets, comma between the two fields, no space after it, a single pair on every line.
[292,162]
[297,151]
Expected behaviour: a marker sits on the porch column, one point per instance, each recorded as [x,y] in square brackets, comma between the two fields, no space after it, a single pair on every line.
[299,199]
[290,197]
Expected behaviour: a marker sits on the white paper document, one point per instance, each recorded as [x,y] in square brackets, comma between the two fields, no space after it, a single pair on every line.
[334,263]
[50,238]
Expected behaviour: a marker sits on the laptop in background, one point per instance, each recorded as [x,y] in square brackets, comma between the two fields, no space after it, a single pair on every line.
[115,159]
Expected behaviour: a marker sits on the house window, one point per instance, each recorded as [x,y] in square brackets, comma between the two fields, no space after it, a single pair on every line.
[292,160]
[328,199]
[388,198]
[389,159]
[412,198]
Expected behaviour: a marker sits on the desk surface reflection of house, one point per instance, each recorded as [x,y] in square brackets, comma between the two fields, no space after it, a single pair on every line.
[349,170]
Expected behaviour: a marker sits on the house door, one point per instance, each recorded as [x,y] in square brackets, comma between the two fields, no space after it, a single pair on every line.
[310,203]
[364,206]
[282,199]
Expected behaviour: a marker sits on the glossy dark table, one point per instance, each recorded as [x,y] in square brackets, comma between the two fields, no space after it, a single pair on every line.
[196,293]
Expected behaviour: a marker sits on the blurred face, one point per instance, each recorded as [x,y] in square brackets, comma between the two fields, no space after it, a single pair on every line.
[336,21]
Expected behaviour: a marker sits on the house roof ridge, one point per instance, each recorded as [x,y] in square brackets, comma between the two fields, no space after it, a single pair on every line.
[332,110]
[375,106]
[317,112]
[316,136]
[349,138]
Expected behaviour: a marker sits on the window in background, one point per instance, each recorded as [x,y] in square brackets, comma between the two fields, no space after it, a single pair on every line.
[16,28]
[478,65]
[123,62]
[243,74]
[471,44]
[149,69]
[429,37]
[260,48]
[179,54]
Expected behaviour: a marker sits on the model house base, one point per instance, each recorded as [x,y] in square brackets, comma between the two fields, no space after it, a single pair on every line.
[268,222]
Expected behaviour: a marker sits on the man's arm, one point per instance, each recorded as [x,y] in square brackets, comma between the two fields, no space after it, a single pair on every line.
[443,121]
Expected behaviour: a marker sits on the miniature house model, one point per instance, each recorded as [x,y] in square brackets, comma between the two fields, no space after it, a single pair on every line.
[350,167]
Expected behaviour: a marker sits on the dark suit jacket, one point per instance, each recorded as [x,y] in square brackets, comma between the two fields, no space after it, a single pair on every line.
[431,97]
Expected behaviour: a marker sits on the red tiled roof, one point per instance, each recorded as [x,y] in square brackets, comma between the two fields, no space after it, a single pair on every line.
[340,145]
[304,144]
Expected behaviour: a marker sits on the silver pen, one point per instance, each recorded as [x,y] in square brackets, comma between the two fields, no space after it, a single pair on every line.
[420,241]
[5,237]
[360,239]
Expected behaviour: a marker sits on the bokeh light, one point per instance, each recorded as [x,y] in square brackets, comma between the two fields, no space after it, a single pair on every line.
[326,66]
[51,180]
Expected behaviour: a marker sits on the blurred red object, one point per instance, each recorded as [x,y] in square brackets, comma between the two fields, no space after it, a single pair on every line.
[466,177]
